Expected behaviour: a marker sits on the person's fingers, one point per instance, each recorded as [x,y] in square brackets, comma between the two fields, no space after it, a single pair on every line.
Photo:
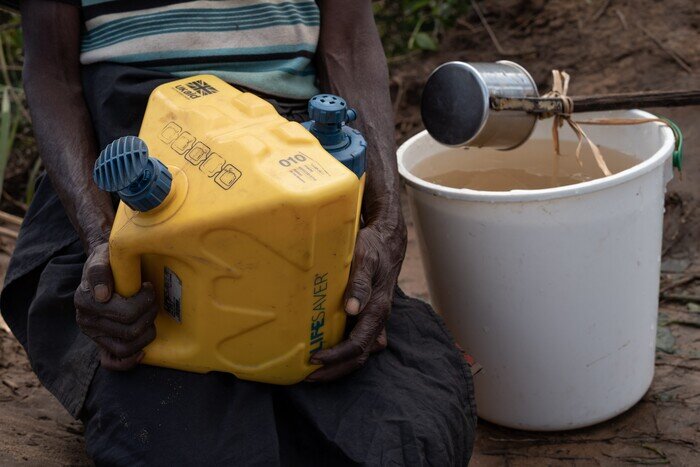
[93,325]
[119,309]
[123,349]
[380,343]
[346,350]
[344,367]
[338,370]
[370,323]
[362,272]
[368,327]
[97,274]
[110,362]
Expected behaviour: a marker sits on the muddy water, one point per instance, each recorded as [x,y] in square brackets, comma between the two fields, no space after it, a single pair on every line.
[532,166]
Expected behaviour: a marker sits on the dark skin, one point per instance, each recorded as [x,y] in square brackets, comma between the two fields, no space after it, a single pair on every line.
[121,327]
[350,63]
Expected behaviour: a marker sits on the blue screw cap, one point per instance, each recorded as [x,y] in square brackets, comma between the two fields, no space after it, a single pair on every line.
[125,167]
[328,109]
[329,115]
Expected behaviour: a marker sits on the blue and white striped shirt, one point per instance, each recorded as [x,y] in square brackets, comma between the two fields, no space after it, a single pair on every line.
[266,46]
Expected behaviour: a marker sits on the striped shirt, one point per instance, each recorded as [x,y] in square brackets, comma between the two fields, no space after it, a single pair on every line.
[267,46]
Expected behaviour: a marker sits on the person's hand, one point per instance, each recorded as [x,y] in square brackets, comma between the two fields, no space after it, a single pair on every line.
[379,253]
[120,326]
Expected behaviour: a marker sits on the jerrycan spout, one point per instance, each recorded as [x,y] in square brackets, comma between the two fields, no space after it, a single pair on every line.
[329,116]
[125,167]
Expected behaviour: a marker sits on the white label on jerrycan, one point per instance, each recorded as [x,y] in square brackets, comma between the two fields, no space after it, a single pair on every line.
[172,294]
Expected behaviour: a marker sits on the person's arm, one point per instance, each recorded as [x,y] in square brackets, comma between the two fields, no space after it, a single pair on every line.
[351,63]
[66,140]
[60,117]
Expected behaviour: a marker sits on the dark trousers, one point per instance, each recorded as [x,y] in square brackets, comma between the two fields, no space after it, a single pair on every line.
[412,404]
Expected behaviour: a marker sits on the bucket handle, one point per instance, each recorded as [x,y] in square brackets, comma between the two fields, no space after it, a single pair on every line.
[678,148]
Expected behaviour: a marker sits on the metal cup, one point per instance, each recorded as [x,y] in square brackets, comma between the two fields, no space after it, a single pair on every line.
[456,111]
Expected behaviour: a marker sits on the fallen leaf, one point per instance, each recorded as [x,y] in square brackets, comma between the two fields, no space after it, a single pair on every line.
[675,265]
[665,341]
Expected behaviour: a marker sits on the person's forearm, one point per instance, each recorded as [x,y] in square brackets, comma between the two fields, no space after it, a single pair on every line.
[352,64]
[61,120]
[68,151]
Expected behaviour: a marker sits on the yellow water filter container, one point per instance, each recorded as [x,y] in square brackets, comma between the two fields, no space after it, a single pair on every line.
[244,224]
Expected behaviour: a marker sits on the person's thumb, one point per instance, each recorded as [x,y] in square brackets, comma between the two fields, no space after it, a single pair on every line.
[97,274]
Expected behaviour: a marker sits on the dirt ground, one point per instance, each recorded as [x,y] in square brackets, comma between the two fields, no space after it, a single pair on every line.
[607,46]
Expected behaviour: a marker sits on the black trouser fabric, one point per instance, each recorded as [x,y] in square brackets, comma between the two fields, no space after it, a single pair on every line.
[410,405]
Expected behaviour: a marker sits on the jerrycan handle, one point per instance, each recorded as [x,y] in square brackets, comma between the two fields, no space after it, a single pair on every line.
[126,271]
[143,183]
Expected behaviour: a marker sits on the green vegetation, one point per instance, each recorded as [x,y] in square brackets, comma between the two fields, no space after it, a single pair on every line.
[15,132]
[9,121]
[407,25]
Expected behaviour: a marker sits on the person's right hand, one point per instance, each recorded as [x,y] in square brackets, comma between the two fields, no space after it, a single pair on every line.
[120,326]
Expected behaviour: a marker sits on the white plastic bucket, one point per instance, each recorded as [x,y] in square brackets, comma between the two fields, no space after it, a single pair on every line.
[554,292]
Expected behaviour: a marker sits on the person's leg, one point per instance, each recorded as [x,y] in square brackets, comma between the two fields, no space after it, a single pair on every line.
[301,442]
[157,416]
[412,404]
[62,357]
[149,415]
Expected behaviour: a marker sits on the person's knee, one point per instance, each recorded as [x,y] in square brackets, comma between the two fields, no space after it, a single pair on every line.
[160,416]
[424,435]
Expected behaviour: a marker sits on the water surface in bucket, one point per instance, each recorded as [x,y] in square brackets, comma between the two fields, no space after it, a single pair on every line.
[532,166]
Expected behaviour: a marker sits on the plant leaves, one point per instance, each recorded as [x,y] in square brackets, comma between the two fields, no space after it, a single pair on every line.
[423,41]
[5,131]
[416,5]
[31,183]
[399,21]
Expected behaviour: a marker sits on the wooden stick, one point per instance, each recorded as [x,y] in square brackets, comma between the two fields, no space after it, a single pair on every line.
[596,16]
[5,232]
[492,35]
[10,218]
[633,100]
[622,18]
[629,100]
[681,298]
[6,196]
[678,282]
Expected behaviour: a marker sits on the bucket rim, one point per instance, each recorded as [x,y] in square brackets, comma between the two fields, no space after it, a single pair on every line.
[577,189]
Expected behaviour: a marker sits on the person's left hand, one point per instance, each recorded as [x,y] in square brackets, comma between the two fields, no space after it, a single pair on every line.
[379,253]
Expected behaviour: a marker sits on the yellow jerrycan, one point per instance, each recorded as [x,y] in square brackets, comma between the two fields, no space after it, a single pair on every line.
[244,222]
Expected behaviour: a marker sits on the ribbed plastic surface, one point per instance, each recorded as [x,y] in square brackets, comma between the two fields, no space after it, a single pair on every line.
[121,163]
[125,167]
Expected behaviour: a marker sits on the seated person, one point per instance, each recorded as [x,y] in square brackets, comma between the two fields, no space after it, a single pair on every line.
[395,392]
